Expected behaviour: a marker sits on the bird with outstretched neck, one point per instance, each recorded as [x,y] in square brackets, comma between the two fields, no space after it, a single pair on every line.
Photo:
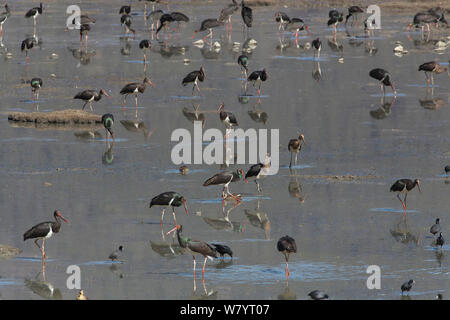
[225,178]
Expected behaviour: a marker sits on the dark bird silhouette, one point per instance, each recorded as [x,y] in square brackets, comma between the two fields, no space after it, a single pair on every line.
[36,84]
[297,25]
[194,76]
[126,21]
[227,118]
[384,78]
[164,22]
[34,13]
[435,228]
[225,178]
[90,95]
[125,9]
[317,46]
[145,45]
[404,186]
[44,230]
[432,67]
[243,64]
[3,17]
[255,173]
[423,19]
[227,13]
[26,45]
[353,12]
[169,199]
[258,77]
[179,17]
[335,17]
[208,24]
[222,249]
[282,18]
[407,286]
[440,240]
[85,19]
[115,255]
[247,15]
[135,88]
[108,122]
[286,245]
[295,145]
[154,17]
[318,295]
[447,169]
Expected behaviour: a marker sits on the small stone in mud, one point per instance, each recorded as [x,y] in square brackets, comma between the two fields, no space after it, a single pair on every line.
[47,184]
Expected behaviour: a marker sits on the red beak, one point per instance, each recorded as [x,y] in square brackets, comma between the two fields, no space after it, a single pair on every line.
[220,107]
[418,186]
[195,32]
[172,230]
[61,216]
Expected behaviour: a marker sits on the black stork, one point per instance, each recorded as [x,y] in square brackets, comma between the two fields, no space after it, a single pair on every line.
[36,84]
[423,19]
[27,44]
[255,173]
[286,245]
[407,286]
[318,295]
[431,68]
[90,95]
[243,64]
[145,45]
[247,16]
[194,76]
[126,21]
[317,46]
[295,145]
[385,79]
[208,24]
[85,19]
[208,251]
[282,18]
[115,255]
[84,30]
[335,17]
[169,199]
[34,13]
[440,240]
[353,12]
[179,17]
[108,122]
[222,250]
[154,17]
[126,9]
[297,25]
[164,22]
[153,4]
[435,228]
[404,186]
[260,77]
[44,230]
[3,17]
[135,88]
[227,13]
[227,118]
[225,178]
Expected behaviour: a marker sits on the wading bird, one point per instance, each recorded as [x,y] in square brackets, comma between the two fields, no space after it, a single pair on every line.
[44,230]
[125,9]
[317,45]
[222,249]
[440,240]
[407,286]
[404,186]
[36,84]
[227,13]
[255,173]
[145,45]
[135,88]
[208,24]
[258,77]
[3,17]
[169,199]
[84,30]
[423,19]
[164,22]
[297,25]
[435,228]
[126,21]
[247,16]
[295,145]
[243,64]
[194,76]
[384,78]
[353,12]
[282,18]
[286,245]
[432,67]
[90,95]
[335,17]
[27,44]
[108,122]
[227,118]
[179,17]
[115,255]
[225,178]
[154,17]
[34,13]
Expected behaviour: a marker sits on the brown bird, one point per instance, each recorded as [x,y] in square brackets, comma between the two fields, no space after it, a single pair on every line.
[286,245]
[432,67]
[135,88]
[295,145]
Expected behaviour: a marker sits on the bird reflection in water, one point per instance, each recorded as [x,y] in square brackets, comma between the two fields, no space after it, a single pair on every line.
[88,135]
[168,51]
[430,102]
[249,46]
[295,189]
[167,249]
[205,294]
[401,233]
[384,110]
[224,223]
[84,56]
[259,219]
[137,127]
[317,71]
[108,156]
[211,51]
[287,294]
[370,48]
[125,50]
[336,47]
[43,288]
[257,114]
[195,114]
[115,269]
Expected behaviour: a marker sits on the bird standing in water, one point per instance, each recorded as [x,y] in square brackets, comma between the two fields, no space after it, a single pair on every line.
[145,45]
[34,13]
[431,68]
[286,245]
[243,63]
[317,45]
[135,88]
[258,77]
[225,178]
[169,199]
[36,84]
[108,122]
[247,16]
[3,17]
[407,286]
[44,230]
[90,95]
[126,21]
[384,78]
[335,18]
[440,240]
[404,186]
[295,145]
[26,45]
[194,76]
[435,228]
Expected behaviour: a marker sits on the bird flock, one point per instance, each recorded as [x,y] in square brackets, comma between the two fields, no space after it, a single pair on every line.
[159,21]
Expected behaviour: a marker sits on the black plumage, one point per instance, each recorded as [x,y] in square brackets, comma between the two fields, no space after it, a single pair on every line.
[125,10]
[447,169]
[3,17]
[243,63]
[404,186]
[135,88]
[179,17]
[90,95]
[286,245]
[247,15]
[407,286]
[222,249]
[227,118]
[258,76]
[126,21]
[115,255]
[440,240]
[435,228]
[194,76]
[335,17]
[169,199]
[255,172]
[318,295]
[108,122]
[36,84]
[353,12]
[164,21]
[225,178]
[282,18]
[34,12]
[208,24]
[227,12]
[317,46]
[297,25]
[384,77]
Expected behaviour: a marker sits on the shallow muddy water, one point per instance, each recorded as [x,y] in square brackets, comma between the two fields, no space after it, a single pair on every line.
[341,226]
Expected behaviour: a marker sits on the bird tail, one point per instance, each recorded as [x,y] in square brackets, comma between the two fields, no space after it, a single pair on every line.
[208,182]
[222,249]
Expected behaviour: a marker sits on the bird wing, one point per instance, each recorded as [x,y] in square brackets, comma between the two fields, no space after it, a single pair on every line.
[399,185]
[38,231]
[129,88]
[219,178]
[85,95]
[162,199]
[232,118]
[191,76]
[254,170]
[222,249]
[202,248]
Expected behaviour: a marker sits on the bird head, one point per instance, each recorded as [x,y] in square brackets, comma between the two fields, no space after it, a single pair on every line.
[184,204]
[57,213]
[302,138]
[103,92]
[417,182]
[148,81]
